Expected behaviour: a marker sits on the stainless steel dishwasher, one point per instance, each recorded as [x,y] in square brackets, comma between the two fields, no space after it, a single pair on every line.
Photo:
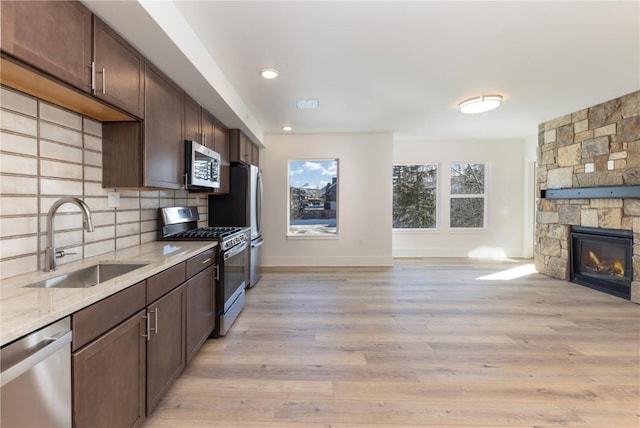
[36,379]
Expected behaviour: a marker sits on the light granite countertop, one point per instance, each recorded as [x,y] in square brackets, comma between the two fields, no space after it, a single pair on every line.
[23,310]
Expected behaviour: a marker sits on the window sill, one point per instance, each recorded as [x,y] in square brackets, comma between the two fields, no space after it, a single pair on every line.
[311,237]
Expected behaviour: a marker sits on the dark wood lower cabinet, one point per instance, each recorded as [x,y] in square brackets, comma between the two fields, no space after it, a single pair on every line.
[109,378]
[123,364]
[166,345]
[200,310]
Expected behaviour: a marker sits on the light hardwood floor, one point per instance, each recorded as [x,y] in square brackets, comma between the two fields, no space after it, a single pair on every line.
[425,343]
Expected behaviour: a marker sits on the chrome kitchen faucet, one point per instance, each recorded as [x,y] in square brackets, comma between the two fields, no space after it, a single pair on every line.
[50,253]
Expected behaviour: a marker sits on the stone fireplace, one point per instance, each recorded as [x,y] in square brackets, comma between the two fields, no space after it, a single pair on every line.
[587,153]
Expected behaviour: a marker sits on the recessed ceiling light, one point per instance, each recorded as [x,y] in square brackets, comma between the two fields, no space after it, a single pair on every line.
[287,128]
[480,104]
[310,104]
[269,73]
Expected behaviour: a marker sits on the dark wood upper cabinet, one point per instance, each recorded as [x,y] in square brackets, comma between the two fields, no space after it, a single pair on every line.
[221,139]
[164,145]
[208,130]
[118,70]
[237,152]
[241,148]
[255,155]
[53,36]
[150,153]
[64,40]
[192,126]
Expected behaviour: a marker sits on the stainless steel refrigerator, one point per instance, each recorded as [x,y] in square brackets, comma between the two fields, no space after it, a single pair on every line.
[242,207]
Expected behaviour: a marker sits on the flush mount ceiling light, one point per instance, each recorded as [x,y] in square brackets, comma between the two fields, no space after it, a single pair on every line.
[480,104]
[269,73]
[287,128]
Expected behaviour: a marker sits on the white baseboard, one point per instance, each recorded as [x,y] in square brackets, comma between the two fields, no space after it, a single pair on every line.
[327,261]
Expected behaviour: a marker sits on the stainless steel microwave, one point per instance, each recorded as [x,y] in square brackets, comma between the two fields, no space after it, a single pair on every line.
[202,166]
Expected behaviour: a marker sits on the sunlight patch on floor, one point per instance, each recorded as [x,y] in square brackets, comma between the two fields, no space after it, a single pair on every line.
[509,274]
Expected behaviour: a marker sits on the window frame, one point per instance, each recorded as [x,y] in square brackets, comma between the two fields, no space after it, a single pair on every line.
[437,199]
[483,196]
[320,236]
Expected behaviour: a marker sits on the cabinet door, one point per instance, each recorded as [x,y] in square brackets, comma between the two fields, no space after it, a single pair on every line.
[192,125]
[222,147]
[53,36]
[239,147]
[163,144]
[208,130]
[119,70]
[200,310]
[166,345]
[255,155]
[245,149]
[109,378]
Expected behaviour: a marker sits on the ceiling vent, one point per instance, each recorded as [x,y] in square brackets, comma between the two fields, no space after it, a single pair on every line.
[307,104]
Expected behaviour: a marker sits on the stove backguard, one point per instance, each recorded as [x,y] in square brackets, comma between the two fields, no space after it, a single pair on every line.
[602,259]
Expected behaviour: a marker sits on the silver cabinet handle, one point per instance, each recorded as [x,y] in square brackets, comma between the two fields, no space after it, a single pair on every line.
[217,272]
[104,80]
[47,348]
[155,326]
[148,335]
[92,85]
[205,261]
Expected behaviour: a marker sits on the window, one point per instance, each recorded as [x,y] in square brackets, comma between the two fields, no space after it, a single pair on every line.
[468,197]
[415,196]
[313,198]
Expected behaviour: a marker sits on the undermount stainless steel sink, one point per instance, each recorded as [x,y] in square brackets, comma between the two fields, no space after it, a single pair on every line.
[89,276]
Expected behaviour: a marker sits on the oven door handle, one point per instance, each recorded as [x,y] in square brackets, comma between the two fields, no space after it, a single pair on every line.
[235,250]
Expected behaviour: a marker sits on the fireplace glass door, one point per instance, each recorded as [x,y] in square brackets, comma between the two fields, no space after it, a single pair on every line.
[601,259]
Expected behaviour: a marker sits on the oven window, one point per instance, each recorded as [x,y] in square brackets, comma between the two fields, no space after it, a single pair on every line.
[235,270]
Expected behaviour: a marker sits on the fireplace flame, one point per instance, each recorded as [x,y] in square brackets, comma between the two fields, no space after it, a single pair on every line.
[594,259]
[617,269]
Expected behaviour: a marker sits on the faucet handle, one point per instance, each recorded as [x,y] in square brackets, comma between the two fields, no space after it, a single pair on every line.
[61,253]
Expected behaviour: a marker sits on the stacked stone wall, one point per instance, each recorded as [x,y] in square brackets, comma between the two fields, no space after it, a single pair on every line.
[597,146]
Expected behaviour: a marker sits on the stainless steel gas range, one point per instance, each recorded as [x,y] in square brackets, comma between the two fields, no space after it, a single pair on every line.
[181,224]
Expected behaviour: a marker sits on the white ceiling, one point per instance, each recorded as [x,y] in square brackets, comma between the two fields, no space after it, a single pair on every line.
[392,66]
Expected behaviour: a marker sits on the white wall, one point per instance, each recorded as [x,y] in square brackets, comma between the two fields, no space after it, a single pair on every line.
[503,236]
[364,200]
[529,196]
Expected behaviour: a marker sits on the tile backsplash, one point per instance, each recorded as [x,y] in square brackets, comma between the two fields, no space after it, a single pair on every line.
[46,153]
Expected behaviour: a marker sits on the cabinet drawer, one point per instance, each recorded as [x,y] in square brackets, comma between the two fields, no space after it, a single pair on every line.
[96,319]
[160,284]
[200,262]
